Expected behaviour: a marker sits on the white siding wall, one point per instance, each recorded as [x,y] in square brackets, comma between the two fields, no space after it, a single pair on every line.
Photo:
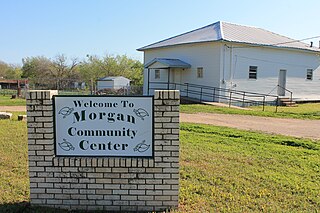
[206,55]
[269,62]
[104,85]
[231,65]
[120,83]
[117,83]
[163,80]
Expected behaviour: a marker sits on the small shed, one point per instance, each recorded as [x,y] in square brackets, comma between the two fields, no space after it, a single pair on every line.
[111,82]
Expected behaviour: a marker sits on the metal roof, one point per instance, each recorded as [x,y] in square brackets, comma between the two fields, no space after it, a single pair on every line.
[169,63]
[112,78]
[223,31]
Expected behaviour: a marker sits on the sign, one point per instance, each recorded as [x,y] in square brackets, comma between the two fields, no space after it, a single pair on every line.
[118,126]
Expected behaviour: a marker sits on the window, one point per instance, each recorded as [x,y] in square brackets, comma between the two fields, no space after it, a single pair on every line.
[309,74]
[253,72]
[200,72]
[157,74]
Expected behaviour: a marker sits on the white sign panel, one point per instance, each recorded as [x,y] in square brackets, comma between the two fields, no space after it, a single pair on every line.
[103,126]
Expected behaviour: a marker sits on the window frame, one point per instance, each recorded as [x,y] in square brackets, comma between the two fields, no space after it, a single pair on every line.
[199,72]
[253,73]
[157,74]
[309,74]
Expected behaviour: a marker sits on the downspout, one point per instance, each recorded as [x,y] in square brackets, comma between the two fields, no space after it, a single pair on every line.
[231,66]
[224,64]
[148,88]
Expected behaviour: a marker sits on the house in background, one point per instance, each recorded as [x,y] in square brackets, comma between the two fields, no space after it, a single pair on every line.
[111,82]
[230,56]
[15,84]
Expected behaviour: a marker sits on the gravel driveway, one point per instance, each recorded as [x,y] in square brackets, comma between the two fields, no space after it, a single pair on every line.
[282,126]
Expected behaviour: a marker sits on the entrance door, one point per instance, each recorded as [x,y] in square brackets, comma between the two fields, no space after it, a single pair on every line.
[282,82]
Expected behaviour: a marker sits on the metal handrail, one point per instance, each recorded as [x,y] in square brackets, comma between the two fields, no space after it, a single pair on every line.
[232,96]
[216,88]
[272,90]
[222,89]
[287,91]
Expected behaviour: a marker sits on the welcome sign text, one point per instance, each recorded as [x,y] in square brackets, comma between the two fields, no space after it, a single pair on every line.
[103,126]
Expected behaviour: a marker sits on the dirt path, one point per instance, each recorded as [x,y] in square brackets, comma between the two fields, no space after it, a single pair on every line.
[282,126]
[12,108]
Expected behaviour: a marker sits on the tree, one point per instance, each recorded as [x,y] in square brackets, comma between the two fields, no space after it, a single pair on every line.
[50,74]
[63,72]
[120,65]
[61,69]
[136,74]
[9,71]
[90,70]
[37,69]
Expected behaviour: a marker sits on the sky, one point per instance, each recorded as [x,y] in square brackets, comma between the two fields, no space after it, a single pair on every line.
[77,28]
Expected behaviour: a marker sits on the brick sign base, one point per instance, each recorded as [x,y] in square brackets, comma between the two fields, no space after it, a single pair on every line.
[104,183]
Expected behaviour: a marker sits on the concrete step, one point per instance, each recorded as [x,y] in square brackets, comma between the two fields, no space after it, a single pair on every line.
[290,104]
[287,102]
[284,99]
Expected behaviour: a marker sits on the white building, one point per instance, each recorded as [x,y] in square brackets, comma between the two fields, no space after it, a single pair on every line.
[111,82]
[231,56]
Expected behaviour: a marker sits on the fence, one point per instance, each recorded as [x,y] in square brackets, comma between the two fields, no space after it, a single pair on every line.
[14,92]
[125,90]
[74,86]
[8,92]
[131,90]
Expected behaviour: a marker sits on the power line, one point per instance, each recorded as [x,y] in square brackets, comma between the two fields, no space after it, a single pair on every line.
[298,40]
[275,44]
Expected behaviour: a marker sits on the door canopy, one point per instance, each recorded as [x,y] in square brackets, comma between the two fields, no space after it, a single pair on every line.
[165,63]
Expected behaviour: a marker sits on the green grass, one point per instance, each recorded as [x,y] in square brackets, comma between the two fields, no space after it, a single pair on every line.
[228,170]
[222,170]
[301,111]
[6,100]
[14,182]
